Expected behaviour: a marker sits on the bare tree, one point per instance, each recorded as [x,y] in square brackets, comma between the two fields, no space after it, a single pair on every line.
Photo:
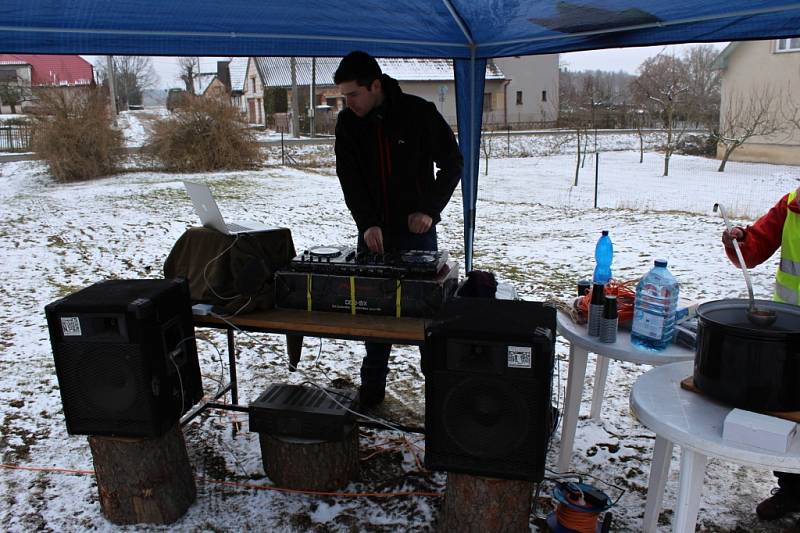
[132,76]
[704,85]
[190,69]
[663,86]
[760,112]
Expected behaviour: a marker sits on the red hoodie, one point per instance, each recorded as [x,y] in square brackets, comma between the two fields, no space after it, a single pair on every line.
[764,237]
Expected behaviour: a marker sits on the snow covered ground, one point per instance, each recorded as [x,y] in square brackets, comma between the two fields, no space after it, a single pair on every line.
[535,230]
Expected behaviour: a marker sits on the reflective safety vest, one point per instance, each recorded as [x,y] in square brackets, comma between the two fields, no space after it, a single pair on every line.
[787,279]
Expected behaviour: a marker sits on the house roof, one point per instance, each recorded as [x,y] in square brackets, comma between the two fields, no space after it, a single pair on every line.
[238,70]
[277,71]
[721,61]
[53,69]
[202,81]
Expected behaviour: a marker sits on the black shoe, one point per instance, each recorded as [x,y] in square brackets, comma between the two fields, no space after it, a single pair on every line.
[370,396]
[778,505]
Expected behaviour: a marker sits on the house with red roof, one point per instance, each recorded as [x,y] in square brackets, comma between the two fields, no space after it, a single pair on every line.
[22,74]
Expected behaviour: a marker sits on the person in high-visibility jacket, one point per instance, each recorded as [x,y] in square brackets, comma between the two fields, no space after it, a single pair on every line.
[778,228]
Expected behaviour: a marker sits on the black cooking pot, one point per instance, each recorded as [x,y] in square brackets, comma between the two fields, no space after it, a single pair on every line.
[745,365]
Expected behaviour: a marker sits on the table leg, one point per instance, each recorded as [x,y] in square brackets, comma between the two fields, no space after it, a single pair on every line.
[600,375]
[294,347]
[662,456]
[693,469]
[232,367]
[572,407]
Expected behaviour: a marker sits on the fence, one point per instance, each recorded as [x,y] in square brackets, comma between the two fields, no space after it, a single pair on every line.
[15,138]
[542,169]
[618,180]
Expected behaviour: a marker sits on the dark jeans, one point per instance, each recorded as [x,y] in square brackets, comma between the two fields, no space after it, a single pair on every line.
[375,365]
[789,482]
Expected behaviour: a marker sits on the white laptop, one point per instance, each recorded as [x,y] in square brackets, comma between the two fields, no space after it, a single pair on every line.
[210,215]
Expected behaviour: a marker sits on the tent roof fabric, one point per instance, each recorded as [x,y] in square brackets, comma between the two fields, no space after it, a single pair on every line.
[48,70]
[277,71]
[412,28]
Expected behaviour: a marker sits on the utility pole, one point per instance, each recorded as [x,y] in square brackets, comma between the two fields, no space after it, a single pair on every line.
[313,112]
[295,102]
[111,89]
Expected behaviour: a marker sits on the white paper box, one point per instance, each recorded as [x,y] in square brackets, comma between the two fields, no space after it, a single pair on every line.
[762,431]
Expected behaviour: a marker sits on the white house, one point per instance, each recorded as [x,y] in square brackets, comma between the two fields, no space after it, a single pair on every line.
[749,68]
[529,95]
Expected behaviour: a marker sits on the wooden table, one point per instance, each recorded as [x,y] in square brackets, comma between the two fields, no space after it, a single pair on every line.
[296,324]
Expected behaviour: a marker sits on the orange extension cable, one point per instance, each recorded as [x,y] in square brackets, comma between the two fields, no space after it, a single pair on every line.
[580,521]
[625,291]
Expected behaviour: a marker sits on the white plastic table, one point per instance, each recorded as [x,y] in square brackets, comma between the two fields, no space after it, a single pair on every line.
[693,422]
[580,344]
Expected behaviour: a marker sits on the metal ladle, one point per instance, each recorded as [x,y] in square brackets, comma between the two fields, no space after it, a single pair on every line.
[757,316]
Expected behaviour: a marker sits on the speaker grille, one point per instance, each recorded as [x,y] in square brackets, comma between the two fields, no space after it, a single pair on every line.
[483,418]
[103,382]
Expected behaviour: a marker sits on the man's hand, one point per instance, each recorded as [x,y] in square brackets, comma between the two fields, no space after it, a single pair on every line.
[373,238]
[729,236]
[419,222]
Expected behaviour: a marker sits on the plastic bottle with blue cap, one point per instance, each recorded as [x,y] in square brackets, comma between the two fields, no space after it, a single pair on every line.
[654,308]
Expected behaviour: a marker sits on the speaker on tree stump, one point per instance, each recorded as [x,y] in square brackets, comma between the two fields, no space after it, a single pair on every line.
[477,504]
[310,464]
[143,480]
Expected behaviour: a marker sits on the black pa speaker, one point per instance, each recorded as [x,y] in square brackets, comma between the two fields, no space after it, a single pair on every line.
[125,357]
[488,368]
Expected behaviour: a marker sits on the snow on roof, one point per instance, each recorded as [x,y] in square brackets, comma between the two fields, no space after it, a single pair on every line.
[202,81]
[53,69]
[429,69]
[238,70]
[276,71]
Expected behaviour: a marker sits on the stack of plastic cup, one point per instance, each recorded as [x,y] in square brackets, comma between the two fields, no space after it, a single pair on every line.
[596,309]
[609,321]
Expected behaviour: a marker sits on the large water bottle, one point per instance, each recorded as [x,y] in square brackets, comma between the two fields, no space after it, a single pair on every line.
[654,308]
[603,255]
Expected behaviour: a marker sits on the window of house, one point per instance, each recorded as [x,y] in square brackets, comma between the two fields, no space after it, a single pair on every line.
[487,101]
[788,45]
[519,97]
[544,96]
[253,84]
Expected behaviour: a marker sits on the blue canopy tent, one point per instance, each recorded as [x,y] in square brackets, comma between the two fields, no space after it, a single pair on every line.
[468,31]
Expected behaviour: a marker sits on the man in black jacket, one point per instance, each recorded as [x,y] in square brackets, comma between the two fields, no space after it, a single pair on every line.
[386,145]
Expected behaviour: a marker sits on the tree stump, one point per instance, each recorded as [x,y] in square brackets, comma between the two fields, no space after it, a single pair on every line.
[307,464]
[143,480]
[474,504]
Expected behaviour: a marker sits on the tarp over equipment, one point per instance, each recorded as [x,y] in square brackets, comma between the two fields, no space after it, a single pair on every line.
[468,31]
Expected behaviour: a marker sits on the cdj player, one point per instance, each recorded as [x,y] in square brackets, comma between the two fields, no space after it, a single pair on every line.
[346,261]
[341,279]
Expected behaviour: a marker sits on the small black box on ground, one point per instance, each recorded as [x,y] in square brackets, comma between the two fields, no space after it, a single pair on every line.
[303,412]
[488,368]
[363,295]
[125,357]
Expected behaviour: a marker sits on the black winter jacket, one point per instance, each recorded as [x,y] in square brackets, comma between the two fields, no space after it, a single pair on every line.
[385,161]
